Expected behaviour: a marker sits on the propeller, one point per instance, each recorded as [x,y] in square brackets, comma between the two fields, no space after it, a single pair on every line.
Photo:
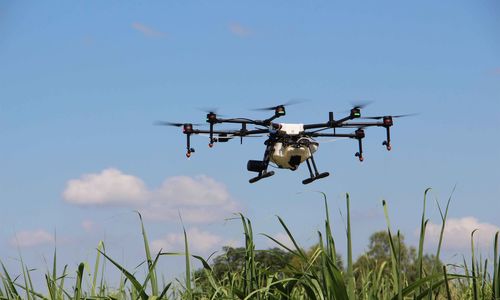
[288,103]
[360,104]
[357,105]
[381,117]
[210,110]
[166,123]
[334,140]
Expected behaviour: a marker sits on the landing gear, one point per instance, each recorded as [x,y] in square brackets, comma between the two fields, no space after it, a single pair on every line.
[260,166]
[263,175]
[316,174]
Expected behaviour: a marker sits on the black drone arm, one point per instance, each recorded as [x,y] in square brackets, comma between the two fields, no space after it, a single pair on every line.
[341,135]
[332,123]
[230,132]
[359,134]
[361,124]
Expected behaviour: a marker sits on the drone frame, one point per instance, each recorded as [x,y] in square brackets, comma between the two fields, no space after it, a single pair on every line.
[271,128]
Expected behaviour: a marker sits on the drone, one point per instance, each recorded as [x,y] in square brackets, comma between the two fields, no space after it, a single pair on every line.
[287,145]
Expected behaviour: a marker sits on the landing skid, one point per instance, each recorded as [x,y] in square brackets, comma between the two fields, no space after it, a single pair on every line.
[313,175]
[319,176]
[261,166]
[264,175]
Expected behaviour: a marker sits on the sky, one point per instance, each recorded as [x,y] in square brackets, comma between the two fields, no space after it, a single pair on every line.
[82,82]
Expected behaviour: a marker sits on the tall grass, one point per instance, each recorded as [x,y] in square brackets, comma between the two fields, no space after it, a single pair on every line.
[317,275]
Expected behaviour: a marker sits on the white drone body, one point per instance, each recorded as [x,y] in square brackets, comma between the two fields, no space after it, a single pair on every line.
[291,152]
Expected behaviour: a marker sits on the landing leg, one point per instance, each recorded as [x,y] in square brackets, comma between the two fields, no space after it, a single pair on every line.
[263,173]
[316,174]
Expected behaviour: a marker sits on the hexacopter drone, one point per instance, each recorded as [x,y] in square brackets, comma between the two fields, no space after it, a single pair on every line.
[287,145]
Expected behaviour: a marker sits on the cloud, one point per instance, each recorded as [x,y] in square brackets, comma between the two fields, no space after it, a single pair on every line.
[238,30]
[198,241]
[110,187]
[457,233]
[88,225]
[148,31]
[32,238]
[199,199]
[282,238]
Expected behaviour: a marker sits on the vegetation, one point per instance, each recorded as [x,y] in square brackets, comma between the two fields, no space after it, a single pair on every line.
[388,270]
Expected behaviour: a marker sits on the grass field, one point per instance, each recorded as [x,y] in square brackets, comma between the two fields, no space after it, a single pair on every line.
[315,274]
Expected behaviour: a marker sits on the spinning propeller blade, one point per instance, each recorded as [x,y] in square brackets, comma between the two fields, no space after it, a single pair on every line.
[381,117]
[334,140]
[361,104]
[166,123]
[210,110]
[288,103]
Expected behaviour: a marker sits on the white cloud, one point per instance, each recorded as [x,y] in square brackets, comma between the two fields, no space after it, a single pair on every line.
[238,30]
[199,199]
[457,233]
[148,31]
[198,241]
[282,238]
[110,186]
[88,225]
[32,238]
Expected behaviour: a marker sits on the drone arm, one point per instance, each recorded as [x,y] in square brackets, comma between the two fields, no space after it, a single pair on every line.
[232,132]
[359,135]
[386,124]
[331,122]
[251,132]
[242,121]
[317,134]
[359,154]
[188,145]
[387,142]
[316,126]
[360,124]
[268,121]
[211,143]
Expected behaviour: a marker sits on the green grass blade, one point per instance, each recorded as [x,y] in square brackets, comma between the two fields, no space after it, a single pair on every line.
[189,289]
[61,284]
[438,278]
[295,244]
[100,246]
[496,269]
[54,270]
[129,276]
[423,225]
[25,278]
[474,271]
[446,283]
[330,243]
[11,289]
[351,287]
[164,291]
[78,285]
[443,219]
[394,256]
[153,277]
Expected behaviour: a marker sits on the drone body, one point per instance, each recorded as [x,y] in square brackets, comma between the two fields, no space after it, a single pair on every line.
[287,145]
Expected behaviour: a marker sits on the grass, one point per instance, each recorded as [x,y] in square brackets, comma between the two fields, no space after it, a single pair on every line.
[316,274]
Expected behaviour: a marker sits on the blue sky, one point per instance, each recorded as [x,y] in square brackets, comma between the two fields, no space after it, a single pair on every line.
[82,82]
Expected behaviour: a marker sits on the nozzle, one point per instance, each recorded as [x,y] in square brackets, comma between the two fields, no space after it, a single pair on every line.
[359,156]
[387,145]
